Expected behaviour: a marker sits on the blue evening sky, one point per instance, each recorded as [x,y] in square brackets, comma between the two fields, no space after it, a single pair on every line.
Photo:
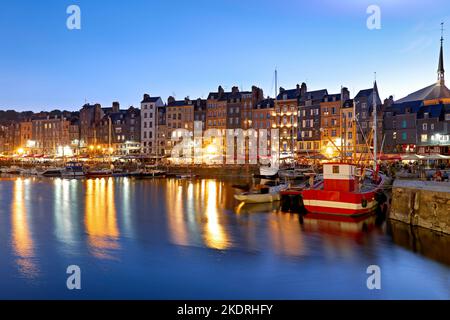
[187,48]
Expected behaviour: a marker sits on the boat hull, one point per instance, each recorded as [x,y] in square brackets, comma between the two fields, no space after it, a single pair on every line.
[339,203]
[257,198]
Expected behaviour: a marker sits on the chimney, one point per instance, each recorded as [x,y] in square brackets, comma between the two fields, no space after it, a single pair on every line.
[235,90]
[389,102]
[345,94]
[170,100]
[303,89]
[115,107]
[282,90]
[146,97]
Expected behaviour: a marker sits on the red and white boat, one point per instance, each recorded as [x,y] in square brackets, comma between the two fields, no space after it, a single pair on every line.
[343,192]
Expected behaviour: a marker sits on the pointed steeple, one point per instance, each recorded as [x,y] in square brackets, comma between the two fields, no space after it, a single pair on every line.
[441,71]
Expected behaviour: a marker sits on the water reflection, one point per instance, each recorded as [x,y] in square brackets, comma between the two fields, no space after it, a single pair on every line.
[434,245]
[176,215]
[22,241]
[215,235]
[66,206]
[286,234]
[193,209]
[101,217]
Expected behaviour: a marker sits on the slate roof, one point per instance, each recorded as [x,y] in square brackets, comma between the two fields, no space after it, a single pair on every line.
[400,108]
[435,111]
[290,94]
[150,99]
[435,91]
[265,104]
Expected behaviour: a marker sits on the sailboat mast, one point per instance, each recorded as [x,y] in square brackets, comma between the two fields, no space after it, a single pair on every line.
[375,140]
[276,83]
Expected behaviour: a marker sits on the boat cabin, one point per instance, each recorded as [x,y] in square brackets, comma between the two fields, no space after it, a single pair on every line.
[339,177]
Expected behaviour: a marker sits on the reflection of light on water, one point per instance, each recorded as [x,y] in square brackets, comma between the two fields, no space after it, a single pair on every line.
[215,237]
[101,222]
[286,234]
[193,211]
[22,241]
[126,204]
[63,210]
[177,223]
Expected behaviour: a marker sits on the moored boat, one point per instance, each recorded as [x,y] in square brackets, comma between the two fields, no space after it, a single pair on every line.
[73,170]
[149,174]
[267,172]
[102,173]
[52,173]
[262,194]
[343,192]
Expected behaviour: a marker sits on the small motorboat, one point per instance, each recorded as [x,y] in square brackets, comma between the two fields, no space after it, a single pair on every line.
[187,176]
[73,170]
[149,174]
[14,171]
[261,194]
[102,173]
[52,173]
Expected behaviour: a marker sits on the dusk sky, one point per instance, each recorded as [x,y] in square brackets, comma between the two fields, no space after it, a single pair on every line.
[187,48]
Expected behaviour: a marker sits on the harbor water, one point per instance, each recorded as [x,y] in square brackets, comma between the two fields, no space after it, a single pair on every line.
[190,239]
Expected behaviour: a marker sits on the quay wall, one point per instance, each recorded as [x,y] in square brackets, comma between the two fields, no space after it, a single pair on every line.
[422,203]
[242,171]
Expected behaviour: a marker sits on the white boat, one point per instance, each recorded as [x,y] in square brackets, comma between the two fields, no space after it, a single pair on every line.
[264,195]
[268,172]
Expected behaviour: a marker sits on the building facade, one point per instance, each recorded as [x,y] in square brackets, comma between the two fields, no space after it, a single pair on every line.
[149,107]
[309,134]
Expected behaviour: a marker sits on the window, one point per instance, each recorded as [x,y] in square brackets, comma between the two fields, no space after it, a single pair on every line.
[333,133]
[424,138]
[404,135]
[424,127]
[404,124]
[335,169]
[432,126]
[394,135]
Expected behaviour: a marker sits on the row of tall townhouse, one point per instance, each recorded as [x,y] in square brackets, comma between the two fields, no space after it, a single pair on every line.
[110,129]
[311,124]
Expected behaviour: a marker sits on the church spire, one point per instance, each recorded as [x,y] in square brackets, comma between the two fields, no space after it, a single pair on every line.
[441,70]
